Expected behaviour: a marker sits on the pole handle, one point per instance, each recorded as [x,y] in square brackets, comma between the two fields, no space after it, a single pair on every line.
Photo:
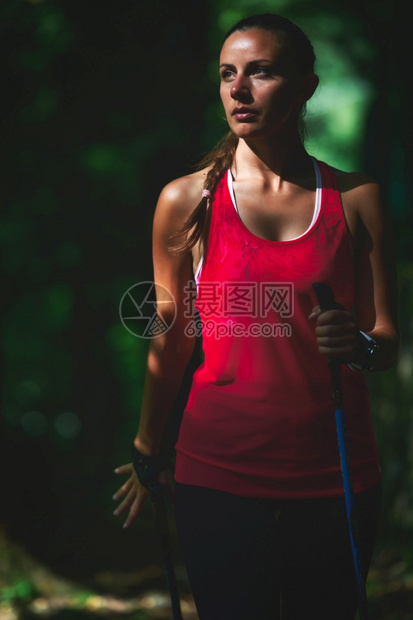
[325,297]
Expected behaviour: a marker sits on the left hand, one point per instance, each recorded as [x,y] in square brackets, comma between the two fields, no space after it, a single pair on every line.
[134,495]
[337,333]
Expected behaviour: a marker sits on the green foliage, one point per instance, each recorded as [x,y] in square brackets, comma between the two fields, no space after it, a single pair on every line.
[129,355]
[46,30]
[23,590]
[36,360]
[43,106]
[337,113]
[100,114]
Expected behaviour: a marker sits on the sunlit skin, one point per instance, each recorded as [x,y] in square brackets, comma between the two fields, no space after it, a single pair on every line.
[262,94]
[261,89]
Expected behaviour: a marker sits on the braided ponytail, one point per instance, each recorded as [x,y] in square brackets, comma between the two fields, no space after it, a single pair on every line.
[219,160]
[221,157]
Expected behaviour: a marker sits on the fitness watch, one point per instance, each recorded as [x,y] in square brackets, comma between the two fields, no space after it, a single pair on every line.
[366,357]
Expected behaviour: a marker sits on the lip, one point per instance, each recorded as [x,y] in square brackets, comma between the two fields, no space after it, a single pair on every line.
[243,113]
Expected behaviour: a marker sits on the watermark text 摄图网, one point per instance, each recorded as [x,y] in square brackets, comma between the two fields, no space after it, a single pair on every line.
[229,299]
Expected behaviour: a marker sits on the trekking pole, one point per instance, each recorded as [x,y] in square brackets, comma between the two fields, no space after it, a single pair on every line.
[161,523]
[326,300]
[147,470]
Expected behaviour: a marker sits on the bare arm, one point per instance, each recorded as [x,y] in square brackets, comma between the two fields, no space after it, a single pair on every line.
[377,291]
[169,353]
[376,310]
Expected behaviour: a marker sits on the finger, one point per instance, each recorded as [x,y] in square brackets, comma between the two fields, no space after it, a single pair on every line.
[314,313]
[135,508]
[345,341]
[333,317]
[124,469]
[336,330]
[336,342]
[343,348]
[127,502]
[124,489]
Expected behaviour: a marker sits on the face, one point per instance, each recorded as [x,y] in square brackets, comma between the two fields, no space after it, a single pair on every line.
[261,89]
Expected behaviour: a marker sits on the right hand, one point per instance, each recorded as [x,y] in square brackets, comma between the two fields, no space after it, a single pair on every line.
[134,494]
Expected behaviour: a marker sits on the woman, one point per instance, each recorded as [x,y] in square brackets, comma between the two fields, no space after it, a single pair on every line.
[258,488]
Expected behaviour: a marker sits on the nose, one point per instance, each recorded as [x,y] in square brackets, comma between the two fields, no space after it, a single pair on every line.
[239,87]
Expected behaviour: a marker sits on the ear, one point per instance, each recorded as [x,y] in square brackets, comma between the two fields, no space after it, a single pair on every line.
[309,86]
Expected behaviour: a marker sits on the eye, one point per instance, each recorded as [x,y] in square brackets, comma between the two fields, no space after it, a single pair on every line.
[260,70]
[227,74]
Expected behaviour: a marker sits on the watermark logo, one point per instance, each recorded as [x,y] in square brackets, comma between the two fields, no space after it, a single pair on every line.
[138,310]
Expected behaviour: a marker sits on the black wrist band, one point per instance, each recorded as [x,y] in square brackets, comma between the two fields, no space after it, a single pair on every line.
[148,468]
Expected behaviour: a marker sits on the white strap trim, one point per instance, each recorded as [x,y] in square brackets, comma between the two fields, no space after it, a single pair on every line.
[318,194]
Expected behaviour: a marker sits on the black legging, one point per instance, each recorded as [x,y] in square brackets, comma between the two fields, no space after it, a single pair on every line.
[243,556]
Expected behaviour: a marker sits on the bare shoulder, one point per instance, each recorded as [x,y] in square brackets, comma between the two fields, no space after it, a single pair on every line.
[357,183]
[361,194]
[180,197]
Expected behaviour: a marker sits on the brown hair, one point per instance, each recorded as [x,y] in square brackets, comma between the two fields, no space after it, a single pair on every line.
[218,160]
[221,157]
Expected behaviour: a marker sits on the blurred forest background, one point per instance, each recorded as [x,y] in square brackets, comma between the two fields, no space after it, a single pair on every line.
[103,103]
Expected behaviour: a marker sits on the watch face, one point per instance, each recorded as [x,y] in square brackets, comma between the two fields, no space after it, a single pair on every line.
[371,355]
[368,349]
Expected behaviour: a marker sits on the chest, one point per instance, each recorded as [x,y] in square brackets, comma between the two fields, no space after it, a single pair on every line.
[287,214]
[280,216]
[275,215]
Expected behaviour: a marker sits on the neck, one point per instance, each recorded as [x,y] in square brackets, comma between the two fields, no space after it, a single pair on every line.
[287,160]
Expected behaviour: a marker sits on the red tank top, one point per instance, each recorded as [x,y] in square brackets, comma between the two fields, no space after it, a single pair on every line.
[260,415]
